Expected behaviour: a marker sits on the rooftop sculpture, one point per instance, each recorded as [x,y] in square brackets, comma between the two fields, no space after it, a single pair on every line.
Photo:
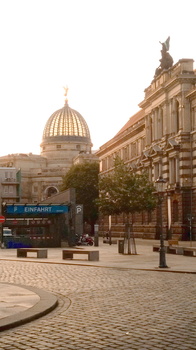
[166,60]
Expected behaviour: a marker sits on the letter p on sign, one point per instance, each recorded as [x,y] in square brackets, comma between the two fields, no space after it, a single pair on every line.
[78,209]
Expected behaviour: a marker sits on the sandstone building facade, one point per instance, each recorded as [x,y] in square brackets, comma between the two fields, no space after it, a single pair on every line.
[161,140]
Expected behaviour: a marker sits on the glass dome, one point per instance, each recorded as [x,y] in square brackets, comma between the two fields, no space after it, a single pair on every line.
[66,124]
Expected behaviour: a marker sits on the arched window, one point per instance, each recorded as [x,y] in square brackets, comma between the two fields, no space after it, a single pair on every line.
[50,191]
[175,211]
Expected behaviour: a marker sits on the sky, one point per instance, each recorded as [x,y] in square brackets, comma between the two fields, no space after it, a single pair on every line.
[105,51]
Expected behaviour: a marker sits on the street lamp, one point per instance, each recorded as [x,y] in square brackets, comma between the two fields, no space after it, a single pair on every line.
[160,186]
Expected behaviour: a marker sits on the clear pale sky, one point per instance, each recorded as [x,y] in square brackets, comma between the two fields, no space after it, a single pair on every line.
[105,51]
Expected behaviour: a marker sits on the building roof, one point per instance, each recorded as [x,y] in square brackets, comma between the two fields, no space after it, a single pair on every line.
[124,132]
[132,120]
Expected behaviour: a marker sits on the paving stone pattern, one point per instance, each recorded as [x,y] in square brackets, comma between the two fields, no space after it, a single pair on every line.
[105,308]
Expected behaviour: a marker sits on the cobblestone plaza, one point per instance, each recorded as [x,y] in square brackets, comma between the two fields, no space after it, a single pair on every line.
[105,307]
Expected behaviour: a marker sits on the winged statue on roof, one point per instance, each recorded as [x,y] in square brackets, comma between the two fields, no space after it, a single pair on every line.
[166,60]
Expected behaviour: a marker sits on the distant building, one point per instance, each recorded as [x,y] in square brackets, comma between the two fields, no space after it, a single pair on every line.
[10,179]
[161,140]
[66,137]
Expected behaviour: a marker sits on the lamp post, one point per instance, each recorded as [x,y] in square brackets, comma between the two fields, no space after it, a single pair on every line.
[160,186]
[96,235]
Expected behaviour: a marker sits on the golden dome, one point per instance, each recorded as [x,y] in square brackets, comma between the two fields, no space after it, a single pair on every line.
[66,124]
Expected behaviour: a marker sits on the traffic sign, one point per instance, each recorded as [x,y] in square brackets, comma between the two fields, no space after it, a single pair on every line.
[2,219]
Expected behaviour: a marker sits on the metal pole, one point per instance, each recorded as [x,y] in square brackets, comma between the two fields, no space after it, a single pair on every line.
[162,257]
[96,235]
[110,230]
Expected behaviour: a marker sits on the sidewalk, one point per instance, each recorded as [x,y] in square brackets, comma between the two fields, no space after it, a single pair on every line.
[145,259]
[19,304]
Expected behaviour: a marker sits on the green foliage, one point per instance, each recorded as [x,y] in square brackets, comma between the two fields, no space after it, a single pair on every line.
[123,191]
[84,178]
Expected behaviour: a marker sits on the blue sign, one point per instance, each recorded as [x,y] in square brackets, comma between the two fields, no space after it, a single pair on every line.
[36,209]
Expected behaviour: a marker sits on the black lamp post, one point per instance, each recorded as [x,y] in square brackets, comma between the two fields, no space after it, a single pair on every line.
[160,186]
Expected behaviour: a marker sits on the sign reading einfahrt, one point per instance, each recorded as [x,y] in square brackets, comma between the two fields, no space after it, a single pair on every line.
[36,209]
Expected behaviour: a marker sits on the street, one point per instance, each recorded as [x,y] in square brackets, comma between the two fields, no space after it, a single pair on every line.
[105,308]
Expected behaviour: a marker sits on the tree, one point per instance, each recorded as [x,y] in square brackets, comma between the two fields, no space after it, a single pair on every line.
[123,191]
[84,178]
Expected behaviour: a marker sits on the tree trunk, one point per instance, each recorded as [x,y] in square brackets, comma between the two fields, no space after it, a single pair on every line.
[131,247]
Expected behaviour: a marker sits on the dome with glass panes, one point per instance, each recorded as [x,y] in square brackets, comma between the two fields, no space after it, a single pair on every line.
[65,131]
[66,124]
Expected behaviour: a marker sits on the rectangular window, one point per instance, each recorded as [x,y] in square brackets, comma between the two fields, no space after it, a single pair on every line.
[10,189]
[126,153]
[5,189]
[156,170]
[173,170]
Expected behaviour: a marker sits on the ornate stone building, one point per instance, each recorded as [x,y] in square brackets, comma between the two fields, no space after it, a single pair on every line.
[161,139]
[66,137]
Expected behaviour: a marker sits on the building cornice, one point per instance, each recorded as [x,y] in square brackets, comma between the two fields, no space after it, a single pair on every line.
[168,79]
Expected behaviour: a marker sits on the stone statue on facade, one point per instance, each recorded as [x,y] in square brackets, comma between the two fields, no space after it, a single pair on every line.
[166,60]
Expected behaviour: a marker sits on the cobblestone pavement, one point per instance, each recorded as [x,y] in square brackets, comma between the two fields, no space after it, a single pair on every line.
[105,308]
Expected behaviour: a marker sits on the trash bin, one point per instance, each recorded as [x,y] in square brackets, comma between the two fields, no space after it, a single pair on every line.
[121,246]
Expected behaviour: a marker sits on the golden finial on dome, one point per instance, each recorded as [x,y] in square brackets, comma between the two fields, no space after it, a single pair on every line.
[65,93]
